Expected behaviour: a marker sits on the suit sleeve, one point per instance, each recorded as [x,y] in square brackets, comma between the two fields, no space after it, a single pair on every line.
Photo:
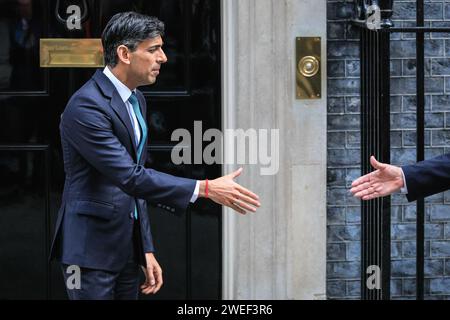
[89,130]
[146,232]
[427,177]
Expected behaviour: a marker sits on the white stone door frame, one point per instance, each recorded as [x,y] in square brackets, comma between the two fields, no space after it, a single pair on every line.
[279,253]
[228,115]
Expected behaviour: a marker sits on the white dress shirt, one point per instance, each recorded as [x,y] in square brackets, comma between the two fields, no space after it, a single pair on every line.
[125,94]
[404,190]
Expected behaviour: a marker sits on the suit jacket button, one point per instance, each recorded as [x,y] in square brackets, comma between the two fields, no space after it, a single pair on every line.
[173,210]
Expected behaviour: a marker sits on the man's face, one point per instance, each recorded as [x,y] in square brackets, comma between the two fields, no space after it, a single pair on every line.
[146,61]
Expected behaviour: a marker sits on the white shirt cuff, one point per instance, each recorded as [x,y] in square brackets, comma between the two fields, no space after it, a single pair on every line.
[196,192]
[404,190]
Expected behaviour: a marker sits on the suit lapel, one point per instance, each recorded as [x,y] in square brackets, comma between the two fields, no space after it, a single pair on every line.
[117,104]
[120,108]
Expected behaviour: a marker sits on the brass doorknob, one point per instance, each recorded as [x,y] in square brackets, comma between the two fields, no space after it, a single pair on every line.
[308,66]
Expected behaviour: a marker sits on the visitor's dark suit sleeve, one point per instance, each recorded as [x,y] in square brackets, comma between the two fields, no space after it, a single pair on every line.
[427,177]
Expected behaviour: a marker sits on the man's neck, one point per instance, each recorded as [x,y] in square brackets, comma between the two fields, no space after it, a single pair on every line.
[122,77]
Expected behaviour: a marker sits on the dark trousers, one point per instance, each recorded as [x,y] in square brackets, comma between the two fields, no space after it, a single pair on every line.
[106,285]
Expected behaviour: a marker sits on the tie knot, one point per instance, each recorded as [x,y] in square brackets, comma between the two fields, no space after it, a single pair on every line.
[133,99]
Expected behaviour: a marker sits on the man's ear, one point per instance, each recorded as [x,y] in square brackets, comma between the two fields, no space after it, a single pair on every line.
[124,54]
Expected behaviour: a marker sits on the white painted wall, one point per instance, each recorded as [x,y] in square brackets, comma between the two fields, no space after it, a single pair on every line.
[279,252]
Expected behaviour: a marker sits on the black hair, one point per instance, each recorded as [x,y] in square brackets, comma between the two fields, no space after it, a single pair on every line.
[128,29]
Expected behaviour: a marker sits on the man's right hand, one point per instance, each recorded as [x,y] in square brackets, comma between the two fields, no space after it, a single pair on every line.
[386,180]
[225,191]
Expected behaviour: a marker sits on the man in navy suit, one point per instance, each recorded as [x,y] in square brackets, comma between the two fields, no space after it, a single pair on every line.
[102,226]
[419,180]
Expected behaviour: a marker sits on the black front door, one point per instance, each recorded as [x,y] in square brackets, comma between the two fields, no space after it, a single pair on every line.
[31,168]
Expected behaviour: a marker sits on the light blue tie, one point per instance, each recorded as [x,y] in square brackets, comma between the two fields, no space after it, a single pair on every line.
[137,111]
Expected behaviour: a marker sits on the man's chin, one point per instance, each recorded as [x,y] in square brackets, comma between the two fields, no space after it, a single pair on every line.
[148,82]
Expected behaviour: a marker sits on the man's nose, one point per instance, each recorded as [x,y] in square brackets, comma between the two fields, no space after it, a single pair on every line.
[162,58]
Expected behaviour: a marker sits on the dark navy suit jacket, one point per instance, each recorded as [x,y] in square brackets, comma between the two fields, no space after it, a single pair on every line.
[427,177]
[94,228]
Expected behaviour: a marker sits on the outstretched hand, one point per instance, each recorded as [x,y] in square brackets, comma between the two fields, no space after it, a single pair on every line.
[386,180]
[227,192]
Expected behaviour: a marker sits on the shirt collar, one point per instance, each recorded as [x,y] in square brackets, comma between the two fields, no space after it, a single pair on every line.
[122,89]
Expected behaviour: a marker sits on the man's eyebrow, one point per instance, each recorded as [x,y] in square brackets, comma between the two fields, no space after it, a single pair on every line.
[156,46]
